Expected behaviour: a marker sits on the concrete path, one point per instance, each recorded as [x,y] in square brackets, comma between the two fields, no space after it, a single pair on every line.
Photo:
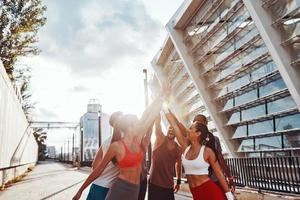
[50,180]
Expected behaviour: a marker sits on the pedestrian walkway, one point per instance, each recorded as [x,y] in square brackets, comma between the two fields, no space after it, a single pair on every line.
[51,180]
[48,180]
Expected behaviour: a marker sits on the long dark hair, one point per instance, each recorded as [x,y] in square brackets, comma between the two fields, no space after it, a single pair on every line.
[206,137]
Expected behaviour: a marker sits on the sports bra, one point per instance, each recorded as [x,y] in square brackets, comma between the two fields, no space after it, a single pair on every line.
[197,166]
[131,159]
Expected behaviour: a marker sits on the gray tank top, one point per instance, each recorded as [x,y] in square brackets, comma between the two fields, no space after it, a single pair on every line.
[162,168]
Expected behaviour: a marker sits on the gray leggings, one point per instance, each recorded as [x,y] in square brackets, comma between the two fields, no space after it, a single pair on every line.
[123,190]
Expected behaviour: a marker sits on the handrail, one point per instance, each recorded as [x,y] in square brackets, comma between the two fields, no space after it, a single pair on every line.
[280,174]
[14,166]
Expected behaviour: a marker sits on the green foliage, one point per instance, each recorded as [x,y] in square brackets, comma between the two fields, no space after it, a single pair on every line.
[22,78]
[40,137]
[20,21]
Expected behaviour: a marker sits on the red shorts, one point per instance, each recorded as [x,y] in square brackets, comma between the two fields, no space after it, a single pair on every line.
[208,191]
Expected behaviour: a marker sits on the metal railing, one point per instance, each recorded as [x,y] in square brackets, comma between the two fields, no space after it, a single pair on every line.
[280,174]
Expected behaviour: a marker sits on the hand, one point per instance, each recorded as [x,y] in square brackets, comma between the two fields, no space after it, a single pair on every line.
[229,196]
[166,90]
[77,196]
[176,188]
[231,184]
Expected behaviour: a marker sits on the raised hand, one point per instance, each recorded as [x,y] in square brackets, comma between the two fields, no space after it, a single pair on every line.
[166,90]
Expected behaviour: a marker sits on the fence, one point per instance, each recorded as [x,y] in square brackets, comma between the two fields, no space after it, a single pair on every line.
[17,143]
[281,174]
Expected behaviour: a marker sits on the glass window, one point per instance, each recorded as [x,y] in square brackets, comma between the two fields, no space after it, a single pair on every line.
[241,131]
[267,143]
[264,70]
[229,69]
[288,122]
[253,112]
[229,104]
[272,87]
[281,105]
[246,145]
[253,155]
[261,127]
[249,96]
[238,83]
[223,91]
[234,118]
[291,140]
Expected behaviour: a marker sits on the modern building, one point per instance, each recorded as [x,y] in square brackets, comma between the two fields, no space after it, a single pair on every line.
[51,152]
[238,62]
[94,128]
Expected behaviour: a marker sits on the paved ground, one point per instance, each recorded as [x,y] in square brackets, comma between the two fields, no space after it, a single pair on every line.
[50,180]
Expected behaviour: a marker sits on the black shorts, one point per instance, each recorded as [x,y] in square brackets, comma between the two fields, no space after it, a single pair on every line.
[159,193]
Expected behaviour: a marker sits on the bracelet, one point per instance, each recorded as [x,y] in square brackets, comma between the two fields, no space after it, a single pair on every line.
[178,181]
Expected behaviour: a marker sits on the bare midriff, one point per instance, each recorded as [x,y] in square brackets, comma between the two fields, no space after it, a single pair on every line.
[131,174]
[196,180]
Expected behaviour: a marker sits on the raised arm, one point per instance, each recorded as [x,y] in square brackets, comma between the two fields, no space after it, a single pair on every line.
[98,170]
[150,114]
[182,128]
[158,131]
[147,138]
[172,120]
[153,109]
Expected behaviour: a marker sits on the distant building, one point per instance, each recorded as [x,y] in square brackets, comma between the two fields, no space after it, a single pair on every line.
[94,128]
[51,151]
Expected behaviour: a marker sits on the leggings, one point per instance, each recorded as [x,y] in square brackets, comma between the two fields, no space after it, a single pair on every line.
[156,192]
[123,190]
[208,191]
[143,189]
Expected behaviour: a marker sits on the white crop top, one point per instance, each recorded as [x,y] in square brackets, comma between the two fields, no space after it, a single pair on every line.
[197,166]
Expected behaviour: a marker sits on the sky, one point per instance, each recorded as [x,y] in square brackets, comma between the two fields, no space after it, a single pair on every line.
[95,49]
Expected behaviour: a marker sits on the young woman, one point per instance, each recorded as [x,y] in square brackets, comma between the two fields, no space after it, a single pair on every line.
[198,155]
[217,147]
[101,185]
[128,154]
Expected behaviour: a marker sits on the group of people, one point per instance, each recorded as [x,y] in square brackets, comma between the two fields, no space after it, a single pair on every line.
[120,171]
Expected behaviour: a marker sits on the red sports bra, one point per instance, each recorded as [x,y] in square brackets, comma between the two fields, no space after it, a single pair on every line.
[131,159]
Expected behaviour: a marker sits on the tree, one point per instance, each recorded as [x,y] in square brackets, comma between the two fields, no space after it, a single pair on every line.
[22,77]
[40,137]
[20,21]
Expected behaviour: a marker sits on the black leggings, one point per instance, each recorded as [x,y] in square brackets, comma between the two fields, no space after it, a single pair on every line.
[143,188]
[159,193]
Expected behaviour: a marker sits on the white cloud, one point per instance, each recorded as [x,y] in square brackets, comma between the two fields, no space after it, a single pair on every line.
[98,35]
[93,49]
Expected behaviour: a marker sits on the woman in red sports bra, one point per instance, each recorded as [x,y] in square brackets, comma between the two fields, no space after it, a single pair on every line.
[128,152]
